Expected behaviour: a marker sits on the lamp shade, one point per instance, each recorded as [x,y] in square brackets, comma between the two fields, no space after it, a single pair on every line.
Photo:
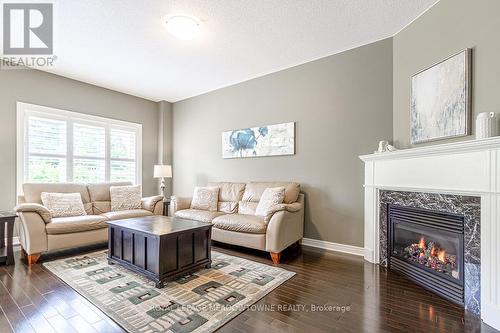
[161,171]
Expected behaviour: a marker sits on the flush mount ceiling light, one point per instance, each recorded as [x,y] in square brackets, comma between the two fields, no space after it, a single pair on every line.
[183,27]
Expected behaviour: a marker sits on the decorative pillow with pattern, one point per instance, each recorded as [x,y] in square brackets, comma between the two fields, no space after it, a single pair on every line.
[63,204]
[270,197]
[125,197]
[205,198]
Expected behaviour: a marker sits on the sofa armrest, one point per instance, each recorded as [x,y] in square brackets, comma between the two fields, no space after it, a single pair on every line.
[32,234]
[291,208]
[178,203]
[285,227]
[150,203]
[35,208]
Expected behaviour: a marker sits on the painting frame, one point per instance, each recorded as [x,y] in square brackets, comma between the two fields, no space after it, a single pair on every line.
[290,149]
[467,116]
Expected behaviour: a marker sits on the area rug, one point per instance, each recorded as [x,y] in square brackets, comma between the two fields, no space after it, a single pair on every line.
[199,302]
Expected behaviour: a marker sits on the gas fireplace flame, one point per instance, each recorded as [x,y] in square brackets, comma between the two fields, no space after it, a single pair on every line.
[434,251]
[442,255]
[421,244]
[429,253]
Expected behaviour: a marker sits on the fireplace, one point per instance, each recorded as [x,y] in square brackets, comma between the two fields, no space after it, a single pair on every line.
[460,178]
[428,247]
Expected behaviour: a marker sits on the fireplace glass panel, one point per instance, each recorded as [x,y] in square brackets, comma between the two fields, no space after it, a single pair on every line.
[432,249]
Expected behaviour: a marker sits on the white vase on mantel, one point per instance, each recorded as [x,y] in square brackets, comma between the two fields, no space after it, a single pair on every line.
[486,126]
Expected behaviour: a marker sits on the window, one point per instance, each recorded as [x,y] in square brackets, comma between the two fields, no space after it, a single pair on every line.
[62,146]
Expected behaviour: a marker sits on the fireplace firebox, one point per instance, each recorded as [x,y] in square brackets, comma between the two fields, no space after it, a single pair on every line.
[427,247]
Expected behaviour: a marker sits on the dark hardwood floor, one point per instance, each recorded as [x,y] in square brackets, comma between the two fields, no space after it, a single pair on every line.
[369,299]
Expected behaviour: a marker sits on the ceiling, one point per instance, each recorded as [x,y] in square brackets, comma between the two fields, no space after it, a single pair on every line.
[123,45]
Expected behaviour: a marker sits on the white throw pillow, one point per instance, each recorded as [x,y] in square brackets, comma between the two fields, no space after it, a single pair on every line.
[63,204]
[205,198]
[125,197]
[270,197]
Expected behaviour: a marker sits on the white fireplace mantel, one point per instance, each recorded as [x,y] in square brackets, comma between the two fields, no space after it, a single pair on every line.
[467,168]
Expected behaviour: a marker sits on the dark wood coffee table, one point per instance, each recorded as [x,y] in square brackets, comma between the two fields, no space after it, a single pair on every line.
[160,248]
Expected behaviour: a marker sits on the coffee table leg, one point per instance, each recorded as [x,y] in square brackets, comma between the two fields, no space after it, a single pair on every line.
[10,235]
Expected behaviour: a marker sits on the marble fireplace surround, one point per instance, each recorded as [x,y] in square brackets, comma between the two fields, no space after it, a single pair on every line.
[469,207]
[460,170]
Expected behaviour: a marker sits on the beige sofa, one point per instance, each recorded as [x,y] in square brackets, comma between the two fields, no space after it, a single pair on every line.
[39,232]
[235,221]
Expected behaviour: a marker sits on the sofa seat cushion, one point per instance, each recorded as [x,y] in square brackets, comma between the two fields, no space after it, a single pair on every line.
[197,215]
[72,224]
[126,214]
[241,223]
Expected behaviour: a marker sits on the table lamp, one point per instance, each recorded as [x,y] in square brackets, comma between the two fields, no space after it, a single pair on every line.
[162,171]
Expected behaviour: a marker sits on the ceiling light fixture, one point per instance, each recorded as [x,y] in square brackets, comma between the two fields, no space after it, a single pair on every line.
[183,27]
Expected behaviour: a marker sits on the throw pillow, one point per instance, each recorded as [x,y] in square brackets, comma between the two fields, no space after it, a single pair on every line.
[205,198]
[125,197]
[63,204]
[270,197]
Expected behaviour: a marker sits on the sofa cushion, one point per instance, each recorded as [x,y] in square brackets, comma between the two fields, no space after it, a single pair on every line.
[254,190]
[126,214]
[100,207]
[88,208]
[205,198]
[100,191]
[32,191]
[247,207]
[229,195]
[227,207]
[125,197]
[241,223]
[272,196]
[63,204]
[229,191]
[197,215]
[72,224]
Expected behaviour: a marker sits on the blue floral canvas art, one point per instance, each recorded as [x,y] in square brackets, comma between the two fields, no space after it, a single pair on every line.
[270,140]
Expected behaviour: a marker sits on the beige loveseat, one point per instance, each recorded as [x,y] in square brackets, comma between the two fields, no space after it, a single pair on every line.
[39,232]
[235,221]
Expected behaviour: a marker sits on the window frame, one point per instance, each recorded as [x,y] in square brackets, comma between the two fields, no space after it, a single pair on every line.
[24,110]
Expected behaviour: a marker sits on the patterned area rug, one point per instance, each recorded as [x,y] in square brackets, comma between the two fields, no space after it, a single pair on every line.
[199,302]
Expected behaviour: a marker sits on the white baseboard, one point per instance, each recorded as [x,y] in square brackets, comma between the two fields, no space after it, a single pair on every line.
[370,256]
[350,249]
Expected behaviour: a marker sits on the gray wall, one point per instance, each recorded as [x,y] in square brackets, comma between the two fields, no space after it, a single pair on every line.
[37,87]
[342,106]
[166,132]
[447,28]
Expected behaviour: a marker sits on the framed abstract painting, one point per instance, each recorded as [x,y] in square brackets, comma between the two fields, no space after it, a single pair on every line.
[269,140]
[440,100]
